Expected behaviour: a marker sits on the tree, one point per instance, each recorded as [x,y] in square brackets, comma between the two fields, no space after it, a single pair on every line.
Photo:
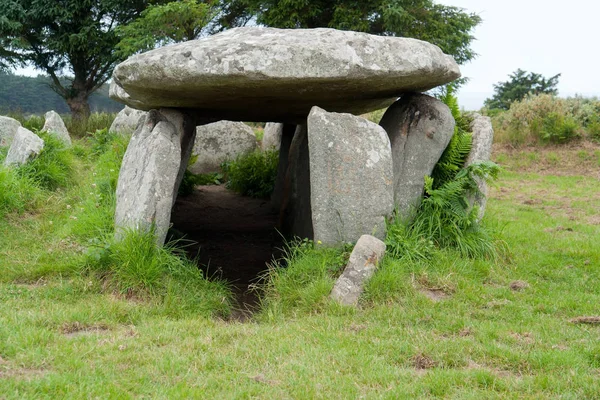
[71,40]
[163,24]
[520,85]
[446,26]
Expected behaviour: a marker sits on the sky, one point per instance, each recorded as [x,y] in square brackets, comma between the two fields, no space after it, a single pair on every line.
[543,36]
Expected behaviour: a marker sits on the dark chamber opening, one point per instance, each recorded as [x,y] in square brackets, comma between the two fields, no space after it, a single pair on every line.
[234,236]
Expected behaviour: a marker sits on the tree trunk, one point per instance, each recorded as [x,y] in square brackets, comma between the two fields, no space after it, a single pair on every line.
[80,113]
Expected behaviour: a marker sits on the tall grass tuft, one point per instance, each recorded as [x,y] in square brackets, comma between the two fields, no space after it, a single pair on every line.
[17,193]
[135,267]
[253,174]
[53,168]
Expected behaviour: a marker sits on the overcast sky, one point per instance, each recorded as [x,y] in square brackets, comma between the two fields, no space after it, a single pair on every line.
[543,36]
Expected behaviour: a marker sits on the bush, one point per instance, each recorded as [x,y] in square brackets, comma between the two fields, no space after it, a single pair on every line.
[253,174]
[134,266]
[557,128]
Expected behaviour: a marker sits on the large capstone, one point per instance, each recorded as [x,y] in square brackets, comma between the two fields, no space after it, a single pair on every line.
[150,173]
[481,150]
[221,141]
[126,120]
[267,74]
[351,178]
[56,127]
[8,130]
[420,128]
[25,146]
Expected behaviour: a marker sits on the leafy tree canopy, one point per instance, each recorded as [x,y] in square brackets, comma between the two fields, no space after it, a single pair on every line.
[446,26]
[520,85]
[162,24]
[66,38]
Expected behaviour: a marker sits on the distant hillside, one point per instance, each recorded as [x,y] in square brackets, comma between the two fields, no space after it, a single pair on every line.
[33,96]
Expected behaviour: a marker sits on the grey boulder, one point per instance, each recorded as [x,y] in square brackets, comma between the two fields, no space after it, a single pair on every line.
[420,128]
[8,130]
[481,150]
[272,136]
[25,146]
[362,265]
[268,74]
[147,184]
[351,178]
[221,141]
[55,126]
[126,120]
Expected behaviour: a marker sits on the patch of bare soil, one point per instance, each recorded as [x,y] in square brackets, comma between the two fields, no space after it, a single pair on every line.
[586,320]
[233,237]
[73,329]
[422,361]
[518,286]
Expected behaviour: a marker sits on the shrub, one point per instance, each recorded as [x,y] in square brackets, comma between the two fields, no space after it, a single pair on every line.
[136,267]
[557,128]
[253,174]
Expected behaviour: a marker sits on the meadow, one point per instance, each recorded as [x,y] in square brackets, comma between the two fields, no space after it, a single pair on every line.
[524,323]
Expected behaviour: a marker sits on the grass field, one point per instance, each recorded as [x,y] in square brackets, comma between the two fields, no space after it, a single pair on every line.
[450,327]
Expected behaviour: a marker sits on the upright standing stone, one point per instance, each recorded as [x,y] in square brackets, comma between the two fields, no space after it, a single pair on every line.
[55,126]
[362,264]
[25,146]
[351,178]
[221,141]
[295,216]
[287,135]
[420,128]
[481,150]
[148,178]
[8,130]
[126,120]
[272,136]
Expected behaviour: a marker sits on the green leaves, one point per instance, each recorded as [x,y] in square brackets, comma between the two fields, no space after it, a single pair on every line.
[520,85]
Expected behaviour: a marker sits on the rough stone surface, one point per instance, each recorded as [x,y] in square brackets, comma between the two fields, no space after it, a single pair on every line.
[25,146]
[362,264]
[8,130]
[351,178]
[295,216]
[272,136]
[420,128]
[221,141]
[127,120]
[267,74]
[55,126]
[147,184]
[481,150]
[287,136]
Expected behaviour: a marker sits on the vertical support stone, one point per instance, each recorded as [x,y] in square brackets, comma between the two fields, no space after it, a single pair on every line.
[151,172]
[295,216]
[420,128]
[284,149]
[351,178]
[481,150]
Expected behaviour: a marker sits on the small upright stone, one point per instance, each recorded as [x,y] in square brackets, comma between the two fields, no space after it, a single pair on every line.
[351,178]
[127,120]
[25,146]
[55,126]
[362,264]
[481,150]
[420,128]
[8,130]
[272,136]
[221,141]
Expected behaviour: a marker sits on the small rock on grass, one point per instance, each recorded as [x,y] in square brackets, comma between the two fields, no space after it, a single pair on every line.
[363,262]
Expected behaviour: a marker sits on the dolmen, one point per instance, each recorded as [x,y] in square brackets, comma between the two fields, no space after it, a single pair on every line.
[340,176]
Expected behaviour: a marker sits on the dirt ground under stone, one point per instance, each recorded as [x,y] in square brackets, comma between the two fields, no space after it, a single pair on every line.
[234,237]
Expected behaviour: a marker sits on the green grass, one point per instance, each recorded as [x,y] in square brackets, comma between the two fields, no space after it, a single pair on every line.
[67,331]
